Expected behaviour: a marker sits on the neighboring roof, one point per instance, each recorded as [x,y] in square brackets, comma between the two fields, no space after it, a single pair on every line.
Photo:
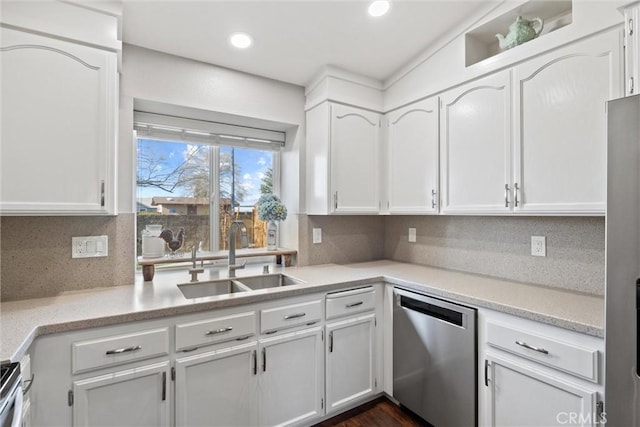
[179,201]
[145,206]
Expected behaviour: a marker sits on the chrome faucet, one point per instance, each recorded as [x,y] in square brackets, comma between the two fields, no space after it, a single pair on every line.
[236,225]
[193,270]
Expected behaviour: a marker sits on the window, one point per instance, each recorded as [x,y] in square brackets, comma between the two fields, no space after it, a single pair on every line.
[203,186]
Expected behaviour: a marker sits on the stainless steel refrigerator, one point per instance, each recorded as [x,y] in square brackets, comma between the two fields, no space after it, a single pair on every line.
[622,320]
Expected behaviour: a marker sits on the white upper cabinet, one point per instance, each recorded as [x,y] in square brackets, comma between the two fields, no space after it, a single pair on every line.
[560,126]
[59,101]
[475,146]
[343,145]
[412,158]
[631,49]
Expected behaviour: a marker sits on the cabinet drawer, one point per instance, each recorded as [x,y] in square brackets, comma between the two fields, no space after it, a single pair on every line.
[350,302]
[568,357]
[291,315]
[210,331]
[103,352]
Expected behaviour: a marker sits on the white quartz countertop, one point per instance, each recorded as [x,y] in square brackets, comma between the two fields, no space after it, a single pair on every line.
[22,321]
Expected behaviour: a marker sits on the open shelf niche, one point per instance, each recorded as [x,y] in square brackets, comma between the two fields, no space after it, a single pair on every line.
[481,42]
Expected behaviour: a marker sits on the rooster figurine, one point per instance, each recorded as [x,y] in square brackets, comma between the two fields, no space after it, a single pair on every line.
[176,243]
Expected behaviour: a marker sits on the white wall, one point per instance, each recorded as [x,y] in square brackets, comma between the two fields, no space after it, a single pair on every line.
[443,66]
[155,76]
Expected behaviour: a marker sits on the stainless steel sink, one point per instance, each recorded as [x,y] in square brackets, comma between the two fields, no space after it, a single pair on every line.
[268,281]
[214,288]
[211,288]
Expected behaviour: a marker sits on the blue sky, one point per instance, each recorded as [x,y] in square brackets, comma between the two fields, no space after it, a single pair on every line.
[253,164]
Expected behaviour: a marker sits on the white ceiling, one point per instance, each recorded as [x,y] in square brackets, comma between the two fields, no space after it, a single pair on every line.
[294,39]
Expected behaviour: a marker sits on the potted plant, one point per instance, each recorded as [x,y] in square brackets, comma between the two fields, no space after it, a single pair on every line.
[271,209]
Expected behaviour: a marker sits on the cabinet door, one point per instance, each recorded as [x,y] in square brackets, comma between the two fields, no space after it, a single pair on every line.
[58,126]
[412,164]
[522,396]
[350,361]
[560,117]
[291,384]
[354,160]
[217,388]
[476,146]
[135,397]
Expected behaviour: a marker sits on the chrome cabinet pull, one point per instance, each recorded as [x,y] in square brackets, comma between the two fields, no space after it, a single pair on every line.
[102,193]
[631,88]
[124,350]
[486,373]
[433,199]
[335,200]
[243,338]
[294,316]
[506,195]
[331,342]
[255,362]
[219,331]
[515,192]
[530,347]
[164,386]
[264,360]
[354,304]
[630,26]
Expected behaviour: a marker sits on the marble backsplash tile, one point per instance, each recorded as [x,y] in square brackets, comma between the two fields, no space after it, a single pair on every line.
[501,247]
[345,239]
[35,255]
[35,252]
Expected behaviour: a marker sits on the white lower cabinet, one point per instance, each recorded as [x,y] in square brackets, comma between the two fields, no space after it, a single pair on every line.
[533,374]
[291,378]
[131,397]
[524,396]
[350,361]
[217,388]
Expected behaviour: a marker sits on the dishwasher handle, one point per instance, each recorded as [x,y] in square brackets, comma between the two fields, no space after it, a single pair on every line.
[432,310]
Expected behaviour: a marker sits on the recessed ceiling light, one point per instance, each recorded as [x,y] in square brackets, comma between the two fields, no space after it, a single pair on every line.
[379,8]
[241,40]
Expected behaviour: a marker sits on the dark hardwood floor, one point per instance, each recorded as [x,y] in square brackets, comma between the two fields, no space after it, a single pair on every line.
[377,413]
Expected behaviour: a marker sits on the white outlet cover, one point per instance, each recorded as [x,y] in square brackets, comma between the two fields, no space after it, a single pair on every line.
[317,235]
[89,246]
[538,246]
[412,235]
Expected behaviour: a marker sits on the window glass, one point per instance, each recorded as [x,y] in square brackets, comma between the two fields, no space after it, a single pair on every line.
[175,181]
[245,174]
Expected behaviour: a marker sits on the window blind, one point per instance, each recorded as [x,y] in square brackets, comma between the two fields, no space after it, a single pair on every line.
[172,128]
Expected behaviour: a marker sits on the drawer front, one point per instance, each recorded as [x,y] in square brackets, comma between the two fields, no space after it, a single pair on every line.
[350,302]
[239,327]
[568,357]
[103,352]
[289,316]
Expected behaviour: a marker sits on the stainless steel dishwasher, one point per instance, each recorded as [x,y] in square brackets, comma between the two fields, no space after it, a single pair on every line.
[435,359]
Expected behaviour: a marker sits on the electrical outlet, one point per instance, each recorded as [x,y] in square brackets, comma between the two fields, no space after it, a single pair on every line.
[317,235]
[538,246]
[412,235]
[89,246]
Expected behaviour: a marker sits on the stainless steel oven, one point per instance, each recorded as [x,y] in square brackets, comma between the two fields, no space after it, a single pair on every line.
[10,395]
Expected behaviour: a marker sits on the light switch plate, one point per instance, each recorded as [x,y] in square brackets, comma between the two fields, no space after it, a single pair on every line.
[317,235]
[412,235]
[538,246]
[89,246]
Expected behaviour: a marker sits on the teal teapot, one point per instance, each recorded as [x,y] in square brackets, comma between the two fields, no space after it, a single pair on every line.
[520,32]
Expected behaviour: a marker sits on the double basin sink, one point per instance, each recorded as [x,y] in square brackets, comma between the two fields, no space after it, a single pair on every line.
[235,285]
